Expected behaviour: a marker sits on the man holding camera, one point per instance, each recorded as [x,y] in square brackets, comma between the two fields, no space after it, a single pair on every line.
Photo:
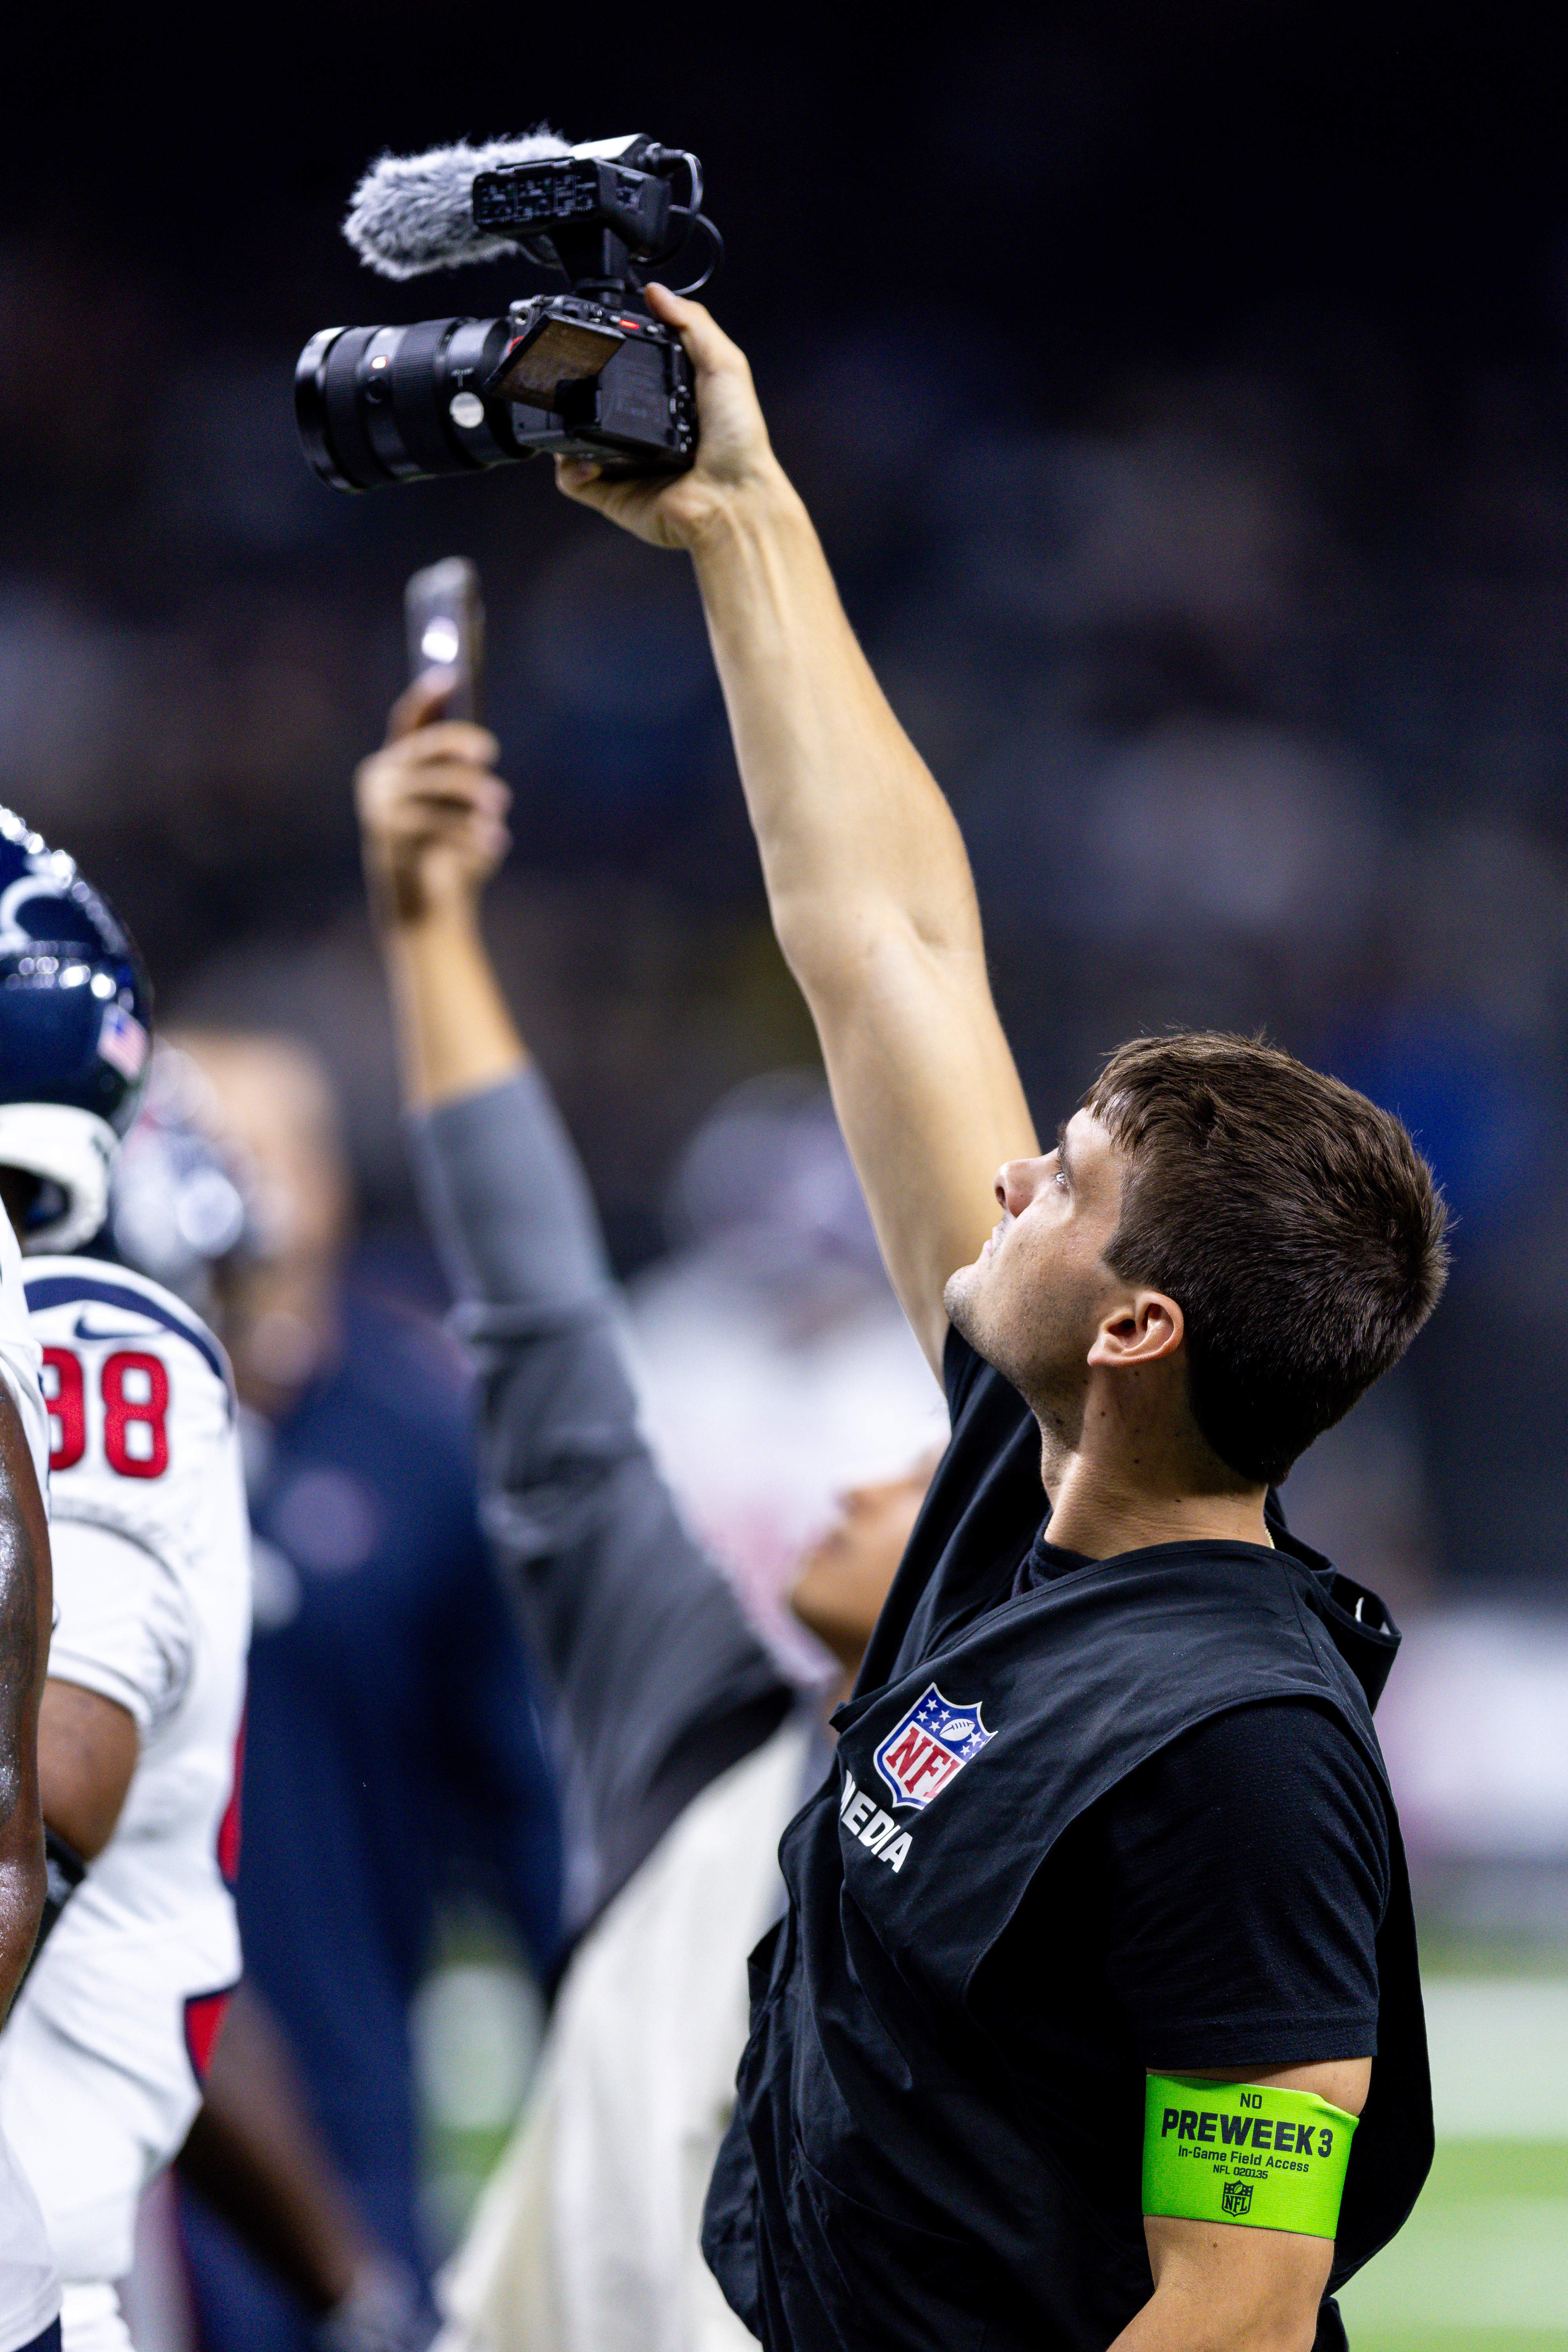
[1097,1957]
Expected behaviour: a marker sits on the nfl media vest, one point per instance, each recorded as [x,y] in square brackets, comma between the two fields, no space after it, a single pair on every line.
[881,2185]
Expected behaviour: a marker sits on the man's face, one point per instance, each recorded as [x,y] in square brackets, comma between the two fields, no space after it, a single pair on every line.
[843,1579]
[1036,1296]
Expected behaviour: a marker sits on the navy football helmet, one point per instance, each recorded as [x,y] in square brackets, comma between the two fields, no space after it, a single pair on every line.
[76,1010]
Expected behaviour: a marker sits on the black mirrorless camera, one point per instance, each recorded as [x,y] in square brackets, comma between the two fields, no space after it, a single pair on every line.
[589,373]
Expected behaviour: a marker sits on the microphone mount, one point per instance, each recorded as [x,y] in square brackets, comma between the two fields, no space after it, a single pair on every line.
[604,215]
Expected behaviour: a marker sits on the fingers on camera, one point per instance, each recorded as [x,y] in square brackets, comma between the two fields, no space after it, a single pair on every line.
[576,475]
[706,343]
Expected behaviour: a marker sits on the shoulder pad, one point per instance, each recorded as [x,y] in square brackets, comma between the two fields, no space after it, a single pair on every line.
[103,1292]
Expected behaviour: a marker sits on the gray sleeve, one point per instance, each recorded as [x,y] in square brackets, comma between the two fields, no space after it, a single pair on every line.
[507,1203]
[659,1680]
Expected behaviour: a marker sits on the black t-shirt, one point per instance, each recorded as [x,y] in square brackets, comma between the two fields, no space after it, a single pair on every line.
[1219,1907]
[1235,1884]
[1165,1843]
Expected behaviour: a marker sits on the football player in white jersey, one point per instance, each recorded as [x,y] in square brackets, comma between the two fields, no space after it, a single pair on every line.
[102,2058]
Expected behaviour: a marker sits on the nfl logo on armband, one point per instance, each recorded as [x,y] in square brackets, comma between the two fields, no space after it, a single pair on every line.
[928,1746]
[1237,2197]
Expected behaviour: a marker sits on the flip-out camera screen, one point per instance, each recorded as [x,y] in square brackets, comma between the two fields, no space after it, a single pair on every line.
[558,350]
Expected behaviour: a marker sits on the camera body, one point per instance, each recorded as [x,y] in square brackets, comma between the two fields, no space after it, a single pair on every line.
[587,373]
[594,380]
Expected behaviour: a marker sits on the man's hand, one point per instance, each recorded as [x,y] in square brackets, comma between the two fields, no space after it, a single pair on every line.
[432,812]
[432,815]
[255,2158]
[734,458]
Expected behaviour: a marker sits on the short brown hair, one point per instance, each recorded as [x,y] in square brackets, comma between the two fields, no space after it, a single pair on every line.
[1294,1223]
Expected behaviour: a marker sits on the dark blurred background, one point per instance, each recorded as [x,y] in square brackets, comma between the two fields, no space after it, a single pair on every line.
[1181,393]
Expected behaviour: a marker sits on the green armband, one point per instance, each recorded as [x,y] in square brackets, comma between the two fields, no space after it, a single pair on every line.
[1244,2152]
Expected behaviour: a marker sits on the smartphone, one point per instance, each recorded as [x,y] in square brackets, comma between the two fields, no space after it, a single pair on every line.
[447,630]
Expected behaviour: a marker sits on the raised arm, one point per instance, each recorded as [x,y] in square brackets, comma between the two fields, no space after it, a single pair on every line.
[866,875]
[660,1682]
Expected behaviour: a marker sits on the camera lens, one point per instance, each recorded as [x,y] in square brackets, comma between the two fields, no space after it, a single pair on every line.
[395,403]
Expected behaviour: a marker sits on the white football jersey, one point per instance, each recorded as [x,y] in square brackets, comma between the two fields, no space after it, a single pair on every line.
[99,2062]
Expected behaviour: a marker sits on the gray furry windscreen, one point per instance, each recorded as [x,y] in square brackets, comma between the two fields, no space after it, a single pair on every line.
[413,212]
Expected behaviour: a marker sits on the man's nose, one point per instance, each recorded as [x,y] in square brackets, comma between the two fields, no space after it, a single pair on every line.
[1015,1182]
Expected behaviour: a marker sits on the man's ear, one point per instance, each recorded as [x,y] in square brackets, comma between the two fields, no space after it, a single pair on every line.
[1144,1330]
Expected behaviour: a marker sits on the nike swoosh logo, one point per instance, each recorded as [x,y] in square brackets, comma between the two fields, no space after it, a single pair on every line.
[84,1330]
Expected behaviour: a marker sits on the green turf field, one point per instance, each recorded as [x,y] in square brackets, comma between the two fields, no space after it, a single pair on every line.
[1482,2262]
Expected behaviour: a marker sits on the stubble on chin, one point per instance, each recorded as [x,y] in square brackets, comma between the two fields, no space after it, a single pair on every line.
[964,1300]
[957,1301]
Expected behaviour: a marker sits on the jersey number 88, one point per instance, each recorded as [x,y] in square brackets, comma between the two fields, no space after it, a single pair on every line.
[134,1390]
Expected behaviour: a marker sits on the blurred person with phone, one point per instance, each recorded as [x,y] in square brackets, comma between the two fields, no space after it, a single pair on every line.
[683,1745]
[1105,1903]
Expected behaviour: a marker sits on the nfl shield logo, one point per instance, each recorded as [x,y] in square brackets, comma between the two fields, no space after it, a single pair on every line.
[1237,2197]
[929,1748]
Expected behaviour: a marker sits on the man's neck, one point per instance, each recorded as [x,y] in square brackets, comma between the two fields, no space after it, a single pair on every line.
[1101,1508]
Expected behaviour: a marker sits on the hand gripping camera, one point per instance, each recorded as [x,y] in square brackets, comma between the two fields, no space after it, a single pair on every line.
[589,373]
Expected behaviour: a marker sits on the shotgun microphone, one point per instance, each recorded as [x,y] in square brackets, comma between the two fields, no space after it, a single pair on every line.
[413,212]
